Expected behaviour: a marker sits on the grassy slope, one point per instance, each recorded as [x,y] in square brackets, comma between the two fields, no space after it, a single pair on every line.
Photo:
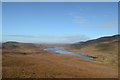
[52,65]
[105,51]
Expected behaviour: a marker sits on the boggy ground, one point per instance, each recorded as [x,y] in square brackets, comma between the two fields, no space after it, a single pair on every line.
[46,64]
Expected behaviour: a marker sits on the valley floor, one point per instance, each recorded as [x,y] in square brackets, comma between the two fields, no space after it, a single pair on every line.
[53,65]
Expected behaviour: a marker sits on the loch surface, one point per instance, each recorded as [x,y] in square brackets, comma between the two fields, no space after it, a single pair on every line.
[63,51]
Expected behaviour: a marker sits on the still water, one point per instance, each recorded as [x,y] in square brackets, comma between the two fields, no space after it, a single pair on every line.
[63,51]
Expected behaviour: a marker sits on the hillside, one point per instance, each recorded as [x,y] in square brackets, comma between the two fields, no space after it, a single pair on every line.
[0,45]
[19,60]
[102,40]
[21,47]
[104,48]
[14,45]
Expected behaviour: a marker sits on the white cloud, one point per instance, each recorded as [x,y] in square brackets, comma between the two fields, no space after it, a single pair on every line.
[76,38]
[79,19]
[106,24]
[48,39]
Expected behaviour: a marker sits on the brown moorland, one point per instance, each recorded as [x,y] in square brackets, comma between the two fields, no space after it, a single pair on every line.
[23,61]
[52,65]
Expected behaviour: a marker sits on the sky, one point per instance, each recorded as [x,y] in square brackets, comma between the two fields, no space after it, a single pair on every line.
[58,22]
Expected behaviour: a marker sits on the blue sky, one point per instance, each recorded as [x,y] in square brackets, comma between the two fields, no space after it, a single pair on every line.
[40,22]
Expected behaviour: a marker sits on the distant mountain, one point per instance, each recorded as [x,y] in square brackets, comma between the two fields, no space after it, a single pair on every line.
[13,45]
[102,40]
[0,45]
[20,47]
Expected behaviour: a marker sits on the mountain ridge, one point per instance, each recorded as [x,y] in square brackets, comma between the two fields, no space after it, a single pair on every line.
[105,39]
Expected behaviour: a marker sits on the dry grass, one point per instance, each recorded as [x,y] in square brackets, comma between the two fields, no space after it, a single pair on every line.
[105,53]
[52,65]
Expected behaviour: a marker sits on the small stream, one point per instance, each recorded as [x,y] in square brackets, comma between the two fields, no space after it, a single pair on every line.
[63,51]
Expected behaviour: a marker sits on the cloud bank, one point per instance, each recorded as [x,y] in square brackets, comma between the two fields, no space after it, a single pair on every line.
[46,39]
